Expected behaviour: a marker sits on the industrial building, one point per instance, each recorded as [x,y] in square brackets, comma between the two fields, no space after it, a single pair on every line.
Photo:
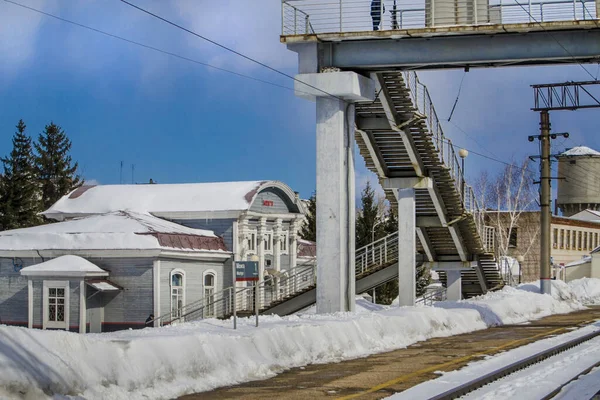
[580,188]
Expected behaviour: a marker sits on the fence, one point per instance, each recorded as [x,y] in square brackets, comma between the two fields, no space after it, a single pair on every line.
[301,17]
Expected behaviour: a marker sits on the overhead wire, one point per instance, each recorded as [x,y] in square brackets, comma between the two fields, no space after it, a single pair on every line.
[149,47]
[229,49]
[555,39]
[457,95]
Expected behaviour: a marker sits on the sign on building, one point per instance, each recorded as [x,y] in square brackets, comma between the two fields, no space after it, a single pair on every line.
[246,271]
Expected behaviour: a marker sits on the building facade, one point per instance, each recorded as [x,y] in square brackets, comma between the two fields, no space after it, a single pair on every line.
[156,249]
[571,240]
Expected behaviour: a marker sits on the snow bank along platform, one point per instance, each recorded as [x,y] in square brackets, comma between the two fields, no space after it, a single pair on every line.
[382,375]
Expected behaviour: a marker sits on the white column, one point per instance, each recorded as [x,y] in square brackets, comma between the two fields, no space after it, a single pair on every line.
[454,285]
[407,247]
[277,237]
[335,93]
[29,303]
[156,289]
[335,206]
[82,307]
[293,253]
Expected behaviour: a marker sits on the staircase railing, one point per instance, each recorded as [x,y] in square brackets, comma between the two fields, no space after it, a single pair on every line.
[506,272]
[377,254]
[447,156]
[220,304]
[432,296]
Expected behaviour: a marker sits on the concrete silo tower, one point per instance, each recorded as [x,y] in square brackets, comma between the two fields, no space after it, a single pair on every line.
[580,190]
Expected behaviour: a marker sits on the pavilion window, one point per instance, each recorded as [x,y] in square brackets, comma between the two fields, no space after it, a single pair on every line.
[56,304]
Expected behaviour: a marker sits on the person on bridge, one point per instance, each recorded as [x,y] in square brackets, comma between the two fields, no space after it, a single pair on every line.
[377,9]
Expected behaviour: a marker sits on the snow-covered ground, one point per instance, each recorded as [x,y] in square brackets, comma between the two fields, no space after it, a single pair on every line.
[167,362]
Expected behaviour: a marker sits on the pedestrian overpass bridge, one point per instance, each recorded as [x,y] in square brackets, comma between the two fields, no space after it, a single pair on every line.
[401,140]
[366,90]
[429,34]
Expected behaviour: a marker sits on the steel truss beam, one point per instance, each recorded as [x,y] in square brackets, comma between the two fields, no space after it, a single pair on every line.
[566,96]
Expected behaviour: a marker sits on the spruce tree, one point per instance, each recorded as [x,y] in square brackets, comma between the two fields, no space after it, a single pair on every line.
[309,229]
[18,190]
[368,220]
[56,171]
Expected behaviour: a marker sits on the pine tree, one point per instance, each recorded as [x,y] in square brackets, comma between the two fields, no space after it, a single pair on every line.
[57,173]
[368,220]
[309,229]
[18,190]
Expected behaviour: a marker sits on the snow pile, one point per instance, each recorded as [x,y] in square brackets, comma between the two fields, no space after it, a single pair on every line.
[168,362]
[586,290]
[581,151]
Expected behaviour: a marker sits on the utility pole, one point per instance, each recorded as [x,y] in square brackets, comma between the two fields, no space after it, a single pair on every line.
[545,200]
[554,97]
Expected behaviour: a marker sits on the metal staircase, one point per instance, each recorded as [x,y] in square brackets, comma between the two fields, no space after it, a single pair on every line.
[399,135]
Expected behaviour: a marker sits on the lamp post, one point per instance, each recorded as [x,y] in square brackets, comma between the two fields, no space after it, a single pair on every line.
[520,260]
[463,153]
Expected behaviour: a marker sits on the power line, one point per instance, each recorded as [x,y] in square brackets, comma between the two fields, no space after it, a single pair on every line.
[227,48]
[457,95]
[555,39]
[151,47]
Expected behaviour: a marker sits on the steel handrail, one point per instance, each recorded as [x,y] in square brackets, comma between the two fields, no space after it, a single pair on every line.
[301,17]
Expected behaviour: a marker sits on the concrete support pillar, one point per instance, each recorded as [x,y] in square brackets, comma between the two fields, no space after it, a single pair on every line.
[335,206]
[454,285]
[335,93]
[407,247]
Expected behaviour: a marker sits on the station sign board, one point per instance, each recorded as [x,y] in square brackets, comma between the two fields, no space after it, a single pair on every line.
[246,271]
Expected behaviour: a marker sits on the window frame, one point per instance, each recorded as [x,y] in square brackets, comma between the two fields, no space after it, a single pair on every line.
[555,238]
[177,271]
[268,242]
[283,243]
[251,241]
[46,286]
[210,311]
[513,237]
[568,241]
[562,239]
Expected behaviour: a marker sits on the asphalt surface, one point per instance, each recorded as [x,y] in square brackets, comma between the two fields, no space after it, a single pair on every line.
[384,374]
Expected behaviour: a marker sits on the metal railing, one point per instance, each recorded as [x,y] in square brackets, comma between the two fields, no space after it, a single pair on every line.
[432,296]
[448,157]
[302,17]
[374,255]
[220,304]
[274,289]
[505,269]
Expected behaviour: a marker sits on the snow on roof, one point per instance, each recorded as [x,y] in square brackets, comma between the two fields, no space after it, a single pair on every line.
[187,197]
[116,230]
[581,151]
[68,265]
[584,260]
[104,286]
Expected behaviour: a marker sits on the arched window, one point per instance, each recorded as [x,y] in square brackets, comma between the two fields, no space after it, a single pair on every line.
[177,293]
[210,283]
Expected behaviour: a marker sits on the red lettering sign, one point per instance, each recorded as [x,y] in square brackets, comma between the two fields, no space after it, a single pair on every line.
[268,203]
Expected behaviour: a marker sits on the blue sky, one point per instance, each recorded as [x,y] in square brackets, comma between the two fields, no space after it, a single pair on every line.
[181,122]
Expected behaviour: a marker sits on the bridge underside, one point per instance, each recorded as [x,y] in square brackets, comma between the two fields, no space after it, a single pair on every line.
[547,43]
